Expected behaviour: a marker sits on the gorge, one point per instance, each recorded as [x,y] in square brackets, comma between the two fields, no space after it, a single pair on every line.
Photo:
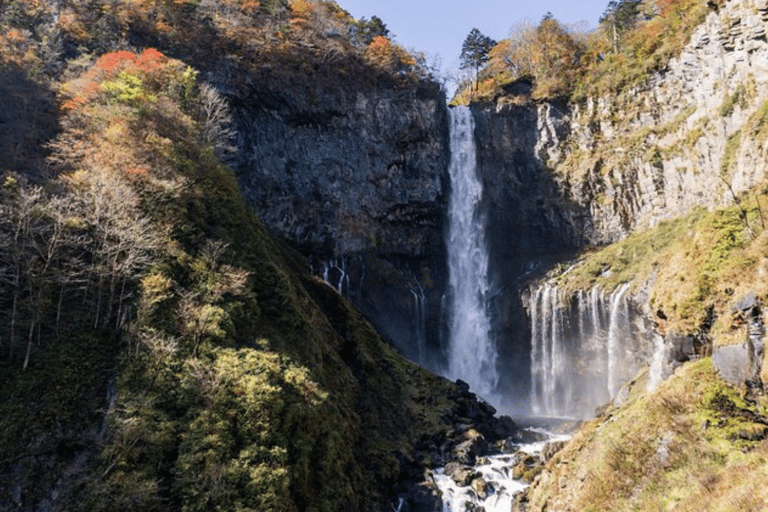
[250,259]
[555,177]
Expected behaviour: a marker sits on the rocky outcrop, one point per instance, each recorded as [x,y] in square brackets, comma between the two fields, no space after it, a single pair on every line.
[560,176]
[356,171]
[357,181]
[693,135]
[742,362]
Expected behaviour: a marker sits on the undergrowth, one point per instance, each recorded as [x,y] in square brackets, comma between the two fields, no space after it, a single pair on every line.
[693,444]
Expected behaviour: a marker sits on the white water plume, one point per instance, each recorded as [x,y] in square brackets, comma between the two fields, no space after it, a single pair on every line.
[583,349]
[472,356]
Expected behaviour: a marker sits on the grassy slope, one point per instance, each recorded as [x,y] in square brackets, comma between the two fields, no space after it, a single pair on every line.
[693,444]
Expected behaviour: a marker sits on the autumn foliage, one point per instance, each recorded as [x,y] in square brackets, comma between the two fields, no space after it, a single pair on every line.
[384,53]
[565,60]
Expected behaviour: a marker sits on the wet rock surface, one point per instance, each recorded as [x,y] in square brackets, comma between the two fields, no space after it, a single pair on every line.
[476,432]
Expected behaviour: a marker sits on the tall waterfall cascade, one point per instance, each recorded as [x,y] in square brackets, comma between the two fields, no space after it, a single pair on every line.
[472,355]
[584,347]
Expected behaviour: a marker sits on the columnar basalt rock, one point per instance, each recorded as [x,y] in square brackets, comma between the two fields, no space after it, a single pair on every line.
[357,181]
[559,176]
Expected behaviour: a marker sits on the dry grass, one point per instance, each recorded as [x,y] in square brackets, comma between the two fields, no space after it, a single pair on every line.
[679,448]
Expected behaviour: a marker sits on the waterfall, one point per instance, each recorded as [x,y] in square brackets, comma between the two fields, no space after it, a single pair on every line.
[581,349]
[420,318]
[335,274]
[552,389]
[616,331]
[472,356]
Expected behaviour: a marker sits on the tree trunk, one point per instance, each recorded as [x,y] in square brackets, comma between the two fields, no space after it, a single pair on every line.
[29,343]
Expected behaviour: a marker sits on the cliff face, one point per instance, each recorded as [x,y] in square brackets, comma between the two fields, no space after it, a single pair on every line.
[357,181]
[561,176]
[691,136]
[352,172]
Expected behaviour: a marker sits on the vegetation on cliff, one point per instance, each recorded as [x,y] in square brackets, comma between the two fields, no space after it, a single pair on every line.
[693,444]
[159,350]
[633,39]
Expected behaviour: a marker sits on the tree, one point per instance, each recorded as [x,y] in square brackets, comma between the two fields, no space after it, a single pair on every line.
[369,29]
[620,16]
[474,52]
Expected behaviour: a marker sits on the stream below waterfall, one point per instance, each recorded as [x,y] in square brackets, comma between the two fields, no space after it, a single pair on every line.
[492,485]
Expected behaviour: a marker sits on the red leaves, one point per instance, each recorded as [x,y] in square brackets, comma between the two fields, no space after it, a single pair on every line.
[108,67]
[111,62]
[150,60]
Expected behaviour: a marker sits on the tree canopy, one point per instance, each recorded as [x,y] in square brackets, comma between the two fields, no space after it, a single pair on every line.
[370,29]
[474,51]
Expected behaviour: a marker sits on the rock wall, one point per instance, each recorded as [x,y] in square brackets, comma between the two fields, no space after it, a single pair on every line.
[693,135]
[560,176]
[357,181]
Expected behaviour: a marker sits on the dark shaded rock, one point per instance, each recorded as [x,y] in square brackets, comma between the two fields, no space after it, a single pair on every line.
[352,171]
[358,182]
[680,348]
[504,427]
[464,389]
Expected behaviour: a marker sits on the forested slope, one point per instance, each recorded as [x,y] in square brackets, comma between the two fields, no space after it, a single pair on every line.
[159,350]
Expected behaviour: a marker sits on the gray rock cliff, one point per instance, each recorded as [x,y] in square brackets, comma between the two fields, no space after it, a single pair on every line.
[357,180]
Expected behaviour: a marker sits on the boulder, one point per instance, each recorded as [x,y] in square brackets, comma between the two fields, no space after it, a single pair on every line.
[482,488]
[550,449]
[738,363]
[462,474]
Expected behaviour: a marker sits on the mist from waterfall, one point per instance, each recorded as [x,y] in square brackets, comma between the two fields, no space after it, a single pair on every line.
[583,348]
[472,356]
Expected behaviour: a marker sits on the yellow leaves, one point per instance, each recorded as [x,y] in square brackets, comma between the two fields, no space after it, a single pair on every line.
[155,288]
[301,8]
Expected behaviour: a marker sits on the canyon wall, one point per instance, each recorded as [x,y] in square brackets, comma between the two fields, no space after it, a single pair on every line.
[561,176]
[357,181]
[693,135]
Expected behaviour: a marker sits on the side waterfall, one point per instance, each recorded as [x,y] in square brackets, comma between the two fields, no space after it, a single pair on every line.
[472,356]
[583,348]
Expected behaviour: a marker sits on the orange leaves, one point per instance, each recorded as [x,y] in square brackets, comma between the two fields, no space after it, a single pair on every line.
[301,11]
[384,54]
[665,6]
[301,8]
[109,66]
[150,60]
[251,6]
[380,44]
[112,62]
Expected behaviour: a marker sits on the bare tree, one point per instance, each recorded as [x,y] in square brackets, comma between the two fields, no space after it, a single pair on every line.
[215,118]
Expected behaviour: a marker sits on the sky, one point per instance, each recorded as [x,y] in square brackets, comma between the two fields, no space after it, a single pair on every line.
[439,27]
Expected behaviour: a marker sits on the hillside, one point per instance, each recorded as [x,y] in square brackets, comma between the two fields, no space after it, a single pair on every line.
[223,253]
[160,349]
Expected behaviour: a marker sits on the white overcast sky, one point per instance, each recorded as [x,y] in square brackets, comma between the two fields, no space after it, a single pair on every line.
[440,26]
